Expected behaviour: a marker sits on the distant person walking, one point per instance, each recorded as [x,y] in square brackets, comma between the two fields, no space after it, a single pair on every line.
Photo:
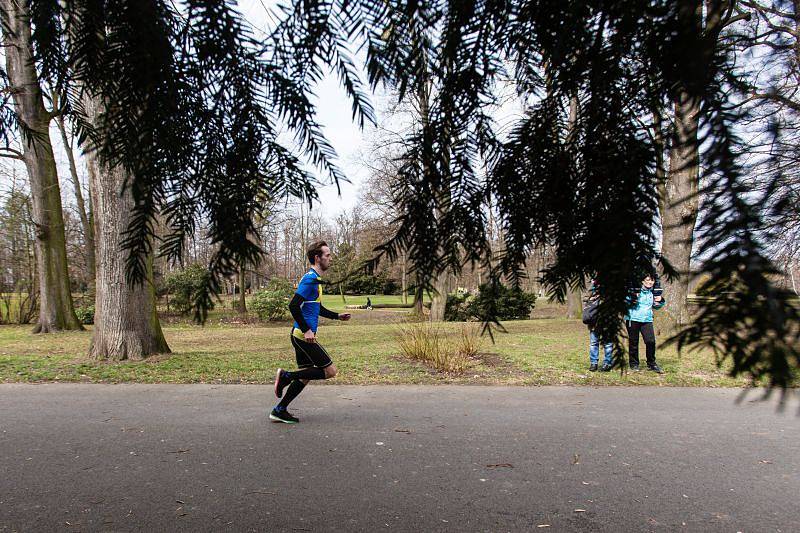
[639,319]
[590,319]
[313,361]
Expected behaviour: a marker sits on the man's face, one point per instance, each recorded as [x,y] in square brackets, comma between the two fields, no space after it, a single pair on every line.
[324,260]
[648,282]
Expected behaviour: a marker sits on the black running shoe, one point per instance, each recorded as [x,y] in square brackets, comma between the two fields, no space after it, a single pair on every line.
[593,367]
[605,368]
[283,416]
[655,368]
[280,382]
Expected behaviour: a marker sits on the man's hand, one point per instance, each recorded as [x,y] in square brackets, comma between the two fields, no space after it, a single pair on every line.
[309,336]
[344,316]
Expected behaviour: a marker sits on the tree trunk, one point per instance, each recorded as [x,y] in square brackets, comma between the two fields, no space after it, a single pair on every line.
[659,145]
[403,282]
[418,305]
[439,298]
[86,220]
[680,206]
[242,305]
[56,309]
[126,322]
[574,303]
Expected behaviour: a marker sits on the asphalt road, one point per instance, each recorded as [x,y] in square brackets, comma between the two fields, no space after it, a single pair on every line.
[408,458]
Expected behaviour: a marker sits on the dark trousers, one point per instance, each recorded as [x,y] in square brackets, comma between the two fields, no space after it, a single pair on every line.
[649,336]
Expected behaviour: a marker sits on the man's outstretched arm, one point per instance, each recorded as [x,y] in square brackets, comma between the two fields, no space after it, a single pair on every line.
[327,313]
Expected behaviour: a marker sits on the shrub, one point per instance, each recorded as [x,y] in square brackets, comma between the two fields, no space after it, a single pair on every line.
[85,314]
[391,286]
[507,302]
[363,283]
[281,285]
[470,340]
[270,305]
[423,341]
[186,286]
[457,308]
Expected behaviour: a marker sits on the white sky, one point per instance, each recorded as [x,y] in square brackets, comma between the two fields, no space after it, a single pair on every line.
[334,113]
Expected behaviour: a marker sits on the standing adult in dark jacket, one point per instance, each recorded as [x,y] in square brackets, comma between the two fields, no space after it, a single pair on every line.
[594,340]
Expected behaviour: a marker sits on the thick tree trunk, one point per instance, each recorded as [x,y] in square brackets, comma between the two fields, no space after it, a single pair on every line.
[56,309]
[574,304]
[126,323]
[86,219]
[680,206]
[439,298]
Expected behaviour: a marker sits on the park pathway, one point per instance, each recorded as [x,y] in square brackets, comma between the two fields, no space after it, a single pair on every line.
[402,458]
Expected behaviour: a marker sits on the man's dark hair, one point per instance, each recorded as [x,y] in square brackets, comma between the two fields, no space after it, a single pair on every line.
[315,250]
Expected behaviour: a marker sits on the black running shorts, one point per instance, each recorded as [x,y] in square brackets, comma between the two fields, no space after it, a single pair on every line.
[310,354]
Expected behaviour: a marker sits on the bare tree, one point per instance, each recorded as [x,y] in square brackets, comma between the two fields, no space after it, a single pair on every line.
[773,36]
[56,308]
[18,293]
[84,212]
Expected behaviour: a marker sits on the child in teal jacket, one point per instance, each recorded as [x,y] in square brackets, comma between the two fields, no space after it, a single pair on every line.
[639,318]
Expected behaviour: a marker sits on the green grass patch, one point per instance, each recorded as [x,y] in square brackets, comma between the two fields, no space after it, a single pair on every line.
[534,352]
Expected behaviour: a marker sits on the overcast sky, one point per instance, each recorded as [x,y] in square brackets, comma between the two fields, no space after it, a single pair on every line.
[335,116]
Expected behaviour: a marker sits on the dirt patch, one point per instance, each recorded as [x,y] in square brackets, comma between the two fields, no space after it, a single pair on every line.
[492,360]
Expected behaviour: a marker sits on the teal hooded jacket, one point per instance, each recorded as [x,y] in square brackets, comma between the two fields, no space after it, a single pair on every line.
[641,305]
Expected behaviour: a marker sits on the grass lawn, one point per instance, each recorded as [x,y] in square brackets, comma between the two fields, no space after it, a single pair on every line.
[543,351]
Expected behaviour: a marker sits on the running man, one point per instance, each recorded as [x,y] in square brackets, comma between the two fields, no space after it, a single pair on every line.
[313,362]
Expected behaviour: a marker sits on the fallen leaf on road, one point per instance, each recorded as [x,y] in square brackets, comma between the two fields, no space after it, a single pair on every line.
[501,465]
[181,451]
[403,430]
[576,459]
[180,501]
[580,510]
[765,462]
[543,525]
